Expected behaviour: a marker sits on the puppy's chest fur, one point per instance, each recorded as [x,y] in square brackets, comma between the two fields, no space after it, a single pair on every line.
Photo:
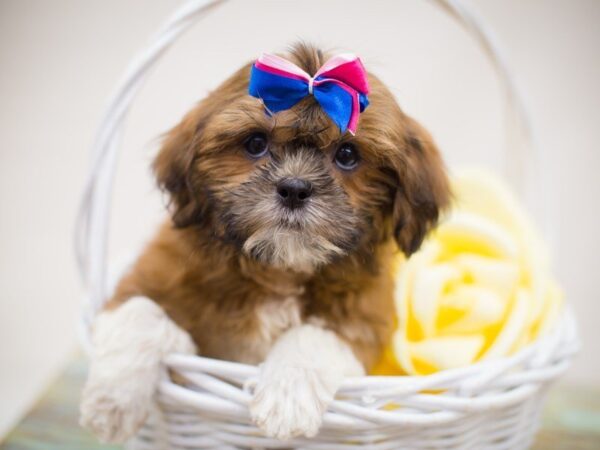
[272,318]
[235,309]
[244,326]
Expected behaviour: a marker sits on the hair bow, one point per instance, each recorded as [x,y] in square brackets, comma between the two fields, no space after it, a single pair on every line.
[340,86]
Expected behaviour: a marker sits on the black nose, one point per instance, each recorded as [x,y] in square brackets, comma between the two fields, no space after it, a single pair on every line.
[293,192]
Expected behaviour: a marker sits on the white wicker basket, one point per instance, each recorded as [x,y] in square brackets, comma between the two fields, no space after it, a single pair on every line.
[492,405]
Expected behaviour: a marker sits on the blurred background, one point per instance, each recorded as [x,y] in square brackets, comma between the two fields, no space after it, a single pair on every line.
[60,60]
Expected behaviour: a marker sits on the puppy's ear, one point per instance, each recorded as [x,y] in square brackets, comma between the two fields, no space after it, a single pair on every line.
[173,168]
[423,190]
[174,164]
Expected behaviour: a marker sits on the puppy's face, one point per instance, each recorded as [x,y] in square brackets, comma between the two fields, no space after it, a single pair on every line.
[288,189]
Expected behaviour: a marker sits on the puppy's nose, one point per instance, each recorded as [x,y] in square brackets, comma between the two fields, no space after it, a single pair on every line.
[293,192]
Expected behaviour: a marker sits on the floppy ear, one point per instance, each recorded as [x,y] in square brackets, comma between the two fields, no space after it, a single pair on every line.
[173,168]
[174,164]
[423,190]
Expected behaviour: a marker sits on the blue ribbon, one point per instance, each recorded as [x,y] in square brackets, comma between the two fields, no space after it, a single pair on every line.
[279,93]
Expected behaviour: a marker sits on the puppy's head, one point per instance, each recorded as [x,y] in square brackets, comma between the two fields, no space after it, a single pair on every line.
[289,189]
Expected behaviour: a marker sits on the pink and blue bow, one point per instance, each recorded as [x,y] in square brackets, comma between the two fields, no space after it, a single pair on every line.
[340,87]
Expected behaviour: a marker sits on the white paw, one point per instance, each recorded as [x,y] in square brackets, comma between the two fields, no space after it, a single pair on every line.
[289,402]
[129,344]
[111,412]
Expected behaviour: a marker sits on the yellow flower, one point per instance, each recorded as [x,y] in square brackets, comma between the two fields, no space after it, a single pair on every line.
[479,288]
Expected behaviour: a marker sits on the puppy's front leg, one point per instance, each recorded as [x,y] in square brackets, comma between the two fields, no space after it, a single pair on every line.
[299,379]
[129,344]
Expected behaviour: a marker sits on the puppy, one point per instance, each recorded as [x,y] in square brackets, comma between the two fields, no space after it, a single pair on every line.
[278,251]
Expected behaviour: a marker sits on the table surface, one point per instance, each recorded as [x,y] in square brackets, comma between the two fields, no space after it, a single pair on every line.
[571,419]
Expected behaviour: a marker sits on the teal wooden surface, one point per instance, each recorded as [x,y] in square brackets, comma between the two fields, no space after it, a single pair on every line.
[571,419]
[52,422]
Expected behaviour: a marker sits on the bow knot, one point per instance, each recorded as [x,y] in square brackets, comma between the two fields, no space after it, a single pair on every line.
[311,83]
[340,86]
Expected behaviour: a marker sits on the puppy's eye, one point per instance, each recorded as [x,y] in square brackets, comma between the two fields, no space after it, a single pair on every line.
[346,157]
[257,145]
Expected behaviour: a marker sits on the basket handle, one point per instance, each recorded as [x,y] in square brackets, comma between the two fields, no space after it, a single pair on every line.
[91,232]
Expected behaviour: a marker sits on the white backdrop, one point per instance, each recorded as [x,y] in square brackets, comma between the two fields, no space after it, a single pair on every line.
[59,61]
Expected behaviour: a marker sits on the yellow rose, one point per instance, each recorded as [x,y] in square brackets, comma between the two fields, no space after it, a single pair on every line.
[479,288]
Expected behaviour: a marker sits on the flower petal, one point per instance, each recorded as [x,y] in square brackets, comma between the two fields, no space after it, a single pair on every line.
[427,289]
[499,275]
[447,352]
[481,308]
[513,328]
[466,232]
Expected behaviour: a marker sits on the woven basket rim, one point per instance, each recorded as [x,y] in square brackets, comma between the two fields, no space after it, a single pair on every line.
[175,360]
[223,389]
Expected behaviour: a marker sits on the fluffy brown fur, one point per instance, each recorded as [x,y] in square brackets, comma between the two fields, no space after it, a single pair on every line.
[231,252]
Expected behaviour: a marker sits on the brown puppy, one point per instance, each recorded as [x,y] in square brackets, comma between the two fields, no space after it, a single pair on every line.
[279,250]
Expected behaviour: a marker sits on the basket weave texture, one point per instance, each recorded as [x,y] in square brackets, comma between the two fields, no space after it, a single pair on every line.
[494,405]
[490,405]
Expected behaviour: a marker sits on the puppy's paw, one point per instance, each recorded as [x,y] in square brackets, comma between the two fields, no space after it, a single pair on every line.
[129,345]
[113,413]
[289,402]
